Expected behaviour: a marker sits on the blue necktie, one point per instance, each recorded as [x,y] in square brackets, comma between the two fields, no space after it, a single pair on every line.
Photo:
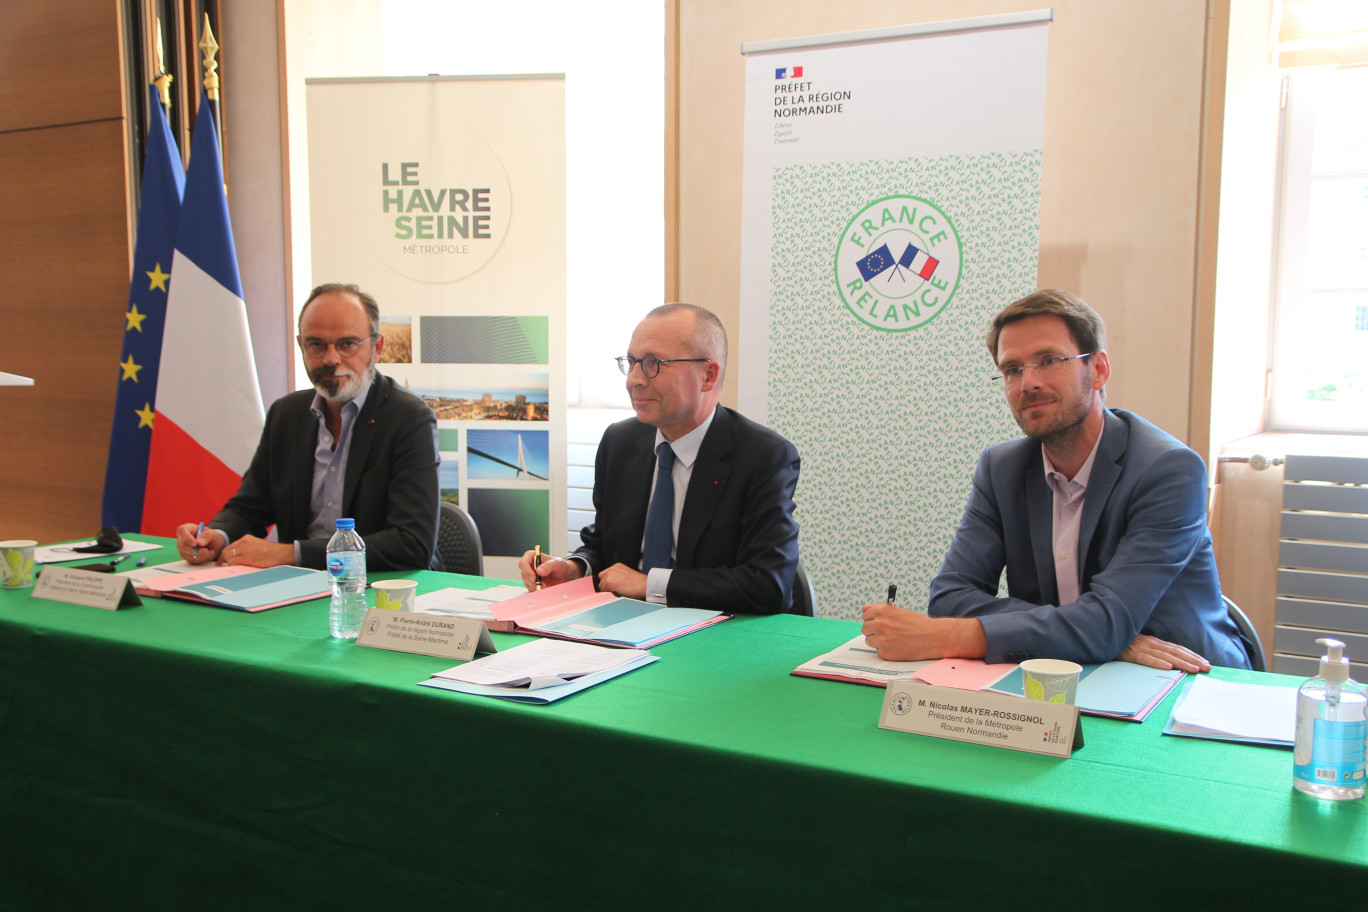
[655,552]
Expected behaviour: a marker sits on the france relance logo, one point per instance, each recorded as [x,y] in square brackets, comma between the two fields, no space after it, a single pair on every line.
[898,263]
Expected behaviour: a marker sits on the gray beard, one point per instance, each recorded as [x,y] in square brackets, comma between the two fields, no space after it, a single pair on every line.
[347,388]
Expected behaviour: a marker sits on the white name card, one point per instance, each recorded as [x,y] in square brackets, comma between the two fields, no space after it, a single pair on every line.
[982,718]
[425,634]
[82,587]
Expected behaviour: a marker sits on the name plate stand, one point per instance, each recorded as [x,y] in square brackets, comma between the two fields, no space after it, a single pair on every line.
[425,634]
[82,587]
[981,718]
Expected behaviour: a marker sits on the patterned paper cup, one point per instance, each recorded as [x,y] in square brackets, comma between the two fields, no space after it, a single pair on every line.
[17,560]
[1050,680]
[395,595]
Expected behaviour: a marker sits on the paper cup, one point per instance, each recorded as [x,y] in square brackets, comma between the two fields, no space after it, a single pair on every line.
[17,560]
[395,595]
[1050,680]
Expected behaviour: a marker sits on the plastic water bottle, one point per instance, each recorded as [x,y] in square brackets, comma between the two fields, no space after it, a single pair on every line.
[1328,758]
[347,567]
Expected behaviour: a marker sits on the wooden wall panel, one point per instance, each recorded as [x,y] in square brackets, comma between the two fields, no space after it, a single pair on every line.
[64,263]
[59,63]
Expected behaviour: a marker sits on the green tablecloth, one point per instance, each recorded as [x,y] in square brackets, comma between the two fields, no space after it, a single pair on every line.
[180,756]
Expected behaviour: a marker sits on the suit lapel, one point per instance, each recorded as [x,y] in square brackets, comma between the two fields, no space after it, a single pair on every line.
[1105,473]
[1040,509]
[637,471]
[706,484]
[305,442]
[363,434]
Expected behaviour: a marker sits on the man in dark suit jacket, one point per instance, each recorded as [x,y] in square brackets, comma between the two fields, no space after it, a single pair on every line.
[1098,517]
[732,544]
[356,446]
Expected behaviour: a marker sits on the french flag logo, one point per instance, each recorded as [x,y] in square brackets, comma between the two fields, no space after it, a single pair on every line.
[920,262]
[788,73]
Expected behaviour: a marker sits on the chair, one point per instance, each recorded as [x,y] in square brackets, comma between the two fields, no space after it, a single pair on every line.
[804,595]
[1248,635]
[458,542]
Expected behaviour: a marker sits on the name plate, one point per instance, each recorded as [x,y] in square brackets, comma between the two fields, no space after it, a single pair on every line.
[82,587]
[982,718]
[425,634]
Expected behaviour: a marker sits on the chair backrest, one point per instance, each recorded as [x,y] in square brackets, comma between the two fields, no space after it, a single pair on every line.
[458,542]
[1253,645]
[804,595]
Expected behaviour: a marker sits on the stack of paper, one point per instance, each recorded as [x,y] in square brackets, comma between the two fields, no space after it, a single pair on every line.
[1116,690]
[1119,690]
[541,671]
[468,603]
[576,611]
[1225,711]
[240,588]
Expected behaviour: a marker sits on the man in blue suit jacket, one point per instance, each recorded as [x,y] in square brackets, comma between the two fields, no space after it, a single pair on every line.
[728,538]
[1098,517]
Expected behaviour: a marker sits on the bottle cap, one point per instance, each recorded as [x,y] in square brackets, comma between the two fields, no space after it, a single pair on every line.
[346,524]
[1334,666]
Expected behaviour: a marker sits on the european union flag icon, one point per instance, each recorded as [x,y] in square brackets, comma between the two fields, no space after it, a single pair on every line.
[878,261]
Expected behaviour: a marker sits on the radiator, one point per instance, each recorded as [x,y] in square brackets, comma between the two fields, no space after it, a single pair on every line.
[1322,563]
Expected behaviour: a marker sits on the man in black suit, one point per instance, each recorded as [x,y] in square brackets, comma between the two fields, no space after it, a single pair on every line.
[723,536]
[356,446]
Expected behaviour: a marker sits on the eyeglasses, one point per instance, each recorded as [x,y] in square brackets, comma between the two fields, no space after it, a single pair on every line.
[346,347]
[650,367]
[1049,364]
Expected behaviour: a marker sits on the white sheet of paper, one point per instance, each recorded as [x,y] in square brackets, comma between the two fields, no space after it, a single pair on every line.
[540,663]
[854,659]
[1243,710]
[473,603]
[138,574]
[61,552]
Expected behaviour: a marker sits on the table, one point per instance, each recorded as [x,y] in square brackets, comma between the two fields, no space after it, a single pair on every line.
[181,756]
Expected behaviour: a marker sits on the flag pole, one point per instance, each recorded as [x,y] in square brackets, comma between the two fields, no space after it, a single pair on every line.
[209,47]
[161,78]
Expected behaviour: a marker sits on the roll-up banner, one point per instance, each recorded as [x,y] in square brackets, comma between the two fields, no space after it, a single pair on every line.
[891,206]
[444,197]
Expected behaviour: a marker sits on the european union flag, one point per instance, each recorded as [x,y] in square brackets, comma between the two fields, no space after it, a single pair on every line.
[878,261]
[130,439]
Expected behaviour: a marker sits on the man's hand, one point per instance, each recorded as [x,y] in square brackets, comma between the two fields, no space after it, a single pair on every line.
[902,635]
[1157,653]
[251,551]
[553,571]
[624,581]
[209,543]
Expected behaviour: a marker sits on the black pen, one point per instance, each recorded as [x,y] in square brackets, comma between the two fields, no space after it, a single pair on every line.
[536,562]
[892,592]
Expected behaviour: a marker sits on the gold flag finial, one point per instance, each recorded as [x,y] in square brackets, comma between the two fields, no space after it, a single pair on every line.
[163,79]
[210,47]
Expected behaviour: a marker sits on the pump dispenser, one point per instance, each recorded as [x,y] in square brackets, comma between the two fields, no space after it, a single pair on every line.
[1332,725]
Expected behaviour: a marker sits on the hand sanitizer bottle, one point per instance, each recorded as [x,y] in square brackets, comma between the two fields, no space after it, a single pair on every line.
[1328,759]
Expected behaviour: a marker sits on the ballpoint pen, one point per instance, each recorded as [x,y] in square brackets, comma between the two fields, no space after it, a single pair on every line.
[536,563]
[116,561]
[194,552]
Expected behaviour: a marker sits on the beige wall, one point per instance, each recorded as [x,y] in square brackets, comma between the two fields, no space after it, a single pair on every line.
[1123,142]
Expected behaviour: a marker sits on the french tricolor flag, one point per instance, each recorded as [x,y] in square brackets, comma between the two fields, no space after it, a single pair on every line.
[208,406]
[920,262]
[788,73]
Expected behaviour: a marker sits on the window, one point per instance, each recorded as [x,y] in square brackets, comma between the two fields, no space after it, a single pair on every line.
[1320,346]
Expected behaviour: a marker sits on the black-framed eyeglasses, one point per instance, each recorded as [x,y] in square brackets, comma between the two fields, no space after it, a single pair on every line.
[1012,375]
[346,346]
[650,367]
